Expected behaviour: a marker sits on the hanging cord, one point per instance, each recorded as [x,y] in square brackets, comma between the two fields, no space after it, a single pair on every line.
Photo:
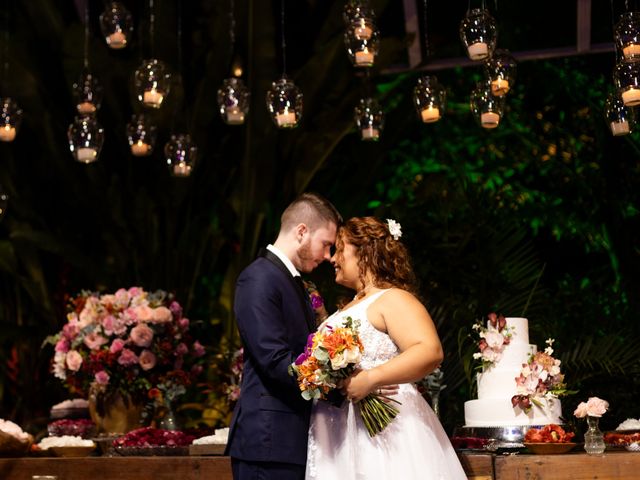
[613,31]
[152,21]
[425,33]
[284,43]
[232,29]
[86,34]
[5,50]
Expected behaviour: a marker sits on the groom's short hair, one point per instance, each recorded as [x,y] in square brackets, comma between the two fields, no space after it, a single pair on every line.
[312,209]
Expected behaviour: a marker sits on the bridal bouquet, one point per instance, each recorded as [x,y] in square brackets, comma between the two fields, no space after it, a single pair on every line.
[331,355]
[131,342]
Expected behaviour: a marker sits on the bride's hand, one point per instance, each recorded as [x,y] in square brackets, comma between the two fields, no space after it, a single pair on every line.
[361,384]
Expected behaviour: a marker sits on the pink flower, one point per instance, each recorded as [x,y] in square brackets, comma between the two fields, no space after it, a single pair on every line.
[147,360]
[62,345]
[161,315]
[181,349]
[176,309]
[73,360]
[198,349]
[141,335]
[70,330]
[94,340]
[127,357]
[594,407]
[102,377]
[183,323]
[494,339]
[143,313]
[116,345]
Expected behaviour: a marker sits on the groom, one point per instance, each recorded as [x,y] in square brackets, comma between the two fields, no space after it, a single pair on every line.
[268,435]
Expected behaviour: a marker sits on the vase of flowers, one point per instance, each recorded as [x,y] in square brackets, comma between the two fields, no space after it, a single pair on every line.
[593,409]
[116,348]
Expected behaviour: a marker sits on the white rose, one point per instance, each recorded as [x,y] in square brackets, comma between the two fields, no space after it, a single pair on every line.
[494,339]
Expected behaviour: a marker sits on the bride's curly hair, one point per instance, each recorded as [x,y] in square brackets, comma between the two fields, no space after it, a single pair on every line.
[378,252]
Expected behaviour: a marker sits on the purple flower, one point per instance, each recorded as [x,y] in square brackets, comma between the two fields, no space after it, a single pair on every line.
[302,357]
[316,301]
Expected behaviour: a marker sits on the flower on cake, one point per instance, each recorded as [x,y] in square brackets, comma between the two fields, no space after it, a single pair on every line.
[593,407]
[540,380]
[130,342]
[492,339]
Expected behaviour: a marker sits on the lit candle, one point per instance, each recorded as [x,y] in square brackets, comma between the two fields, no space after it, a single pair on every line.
[499,86]
[364,58]
[7,133]
[478,51]
[489,119]
[430,114]
[86,108]
[152,98]
[620,128]
[631,97]
[370,133]
[117,40]
[631,51]
[140,149]
[181,169]
[286,119]
[362,31]
[86,154]
[235,116]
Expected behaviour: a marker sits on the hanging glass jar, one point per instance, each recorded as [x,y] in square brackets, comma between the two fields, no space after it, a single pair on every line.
[356,9]
[87,93]
[10,119]
[478,34]
[593,437]
[618,116]
[487,108]
[152,81]
[284,102]
[141,135]
[362,51]
[501,71]
[627,35]
[233,101]
[116,24]
[369,118]
[626,77]
[86,137]
[429,98]
[181,154]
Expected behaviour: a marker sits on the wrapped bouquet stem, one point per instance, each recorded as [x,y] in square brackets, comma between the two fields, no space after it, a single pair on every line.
[332,354]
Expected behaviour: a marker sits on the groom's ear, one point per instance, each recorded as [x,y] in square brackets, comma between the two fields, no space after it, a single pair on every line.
[300,231]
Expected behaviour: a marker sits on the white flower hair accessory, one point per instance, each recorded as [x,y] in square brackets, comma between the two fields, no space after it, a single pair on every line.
[395,229]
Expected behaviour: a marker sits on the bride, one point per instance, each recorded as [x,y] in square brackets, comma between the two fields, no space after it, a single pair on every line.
[401,345]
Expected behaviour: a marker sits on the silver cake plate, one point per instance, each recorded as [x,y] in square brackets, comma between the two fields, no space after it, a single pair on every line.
[491,439]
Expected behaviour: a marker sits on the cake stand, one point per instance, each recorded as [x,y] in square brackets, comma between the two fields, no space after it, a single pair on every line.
[493,439]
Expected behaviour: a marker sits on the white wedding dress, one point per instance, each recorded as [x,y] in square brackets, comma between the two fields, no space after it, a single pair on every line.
[413,446]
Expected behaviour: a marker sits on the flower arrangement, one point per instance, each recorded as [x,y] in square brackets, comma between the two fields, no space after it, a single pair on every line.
[317,302]
[132,342]
[492,339]
[540,379]
[551,433]
[593,407]
[332,354]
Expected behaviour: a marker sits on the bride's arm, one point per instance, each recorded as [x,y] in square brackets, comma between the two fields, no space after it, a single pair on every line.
[410,326]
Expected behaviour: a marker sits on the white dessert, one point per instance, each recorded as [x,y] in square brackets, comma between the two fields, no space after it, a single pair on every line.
[629,424]
[8,427]
[497,385]
[64,441]
[219,437]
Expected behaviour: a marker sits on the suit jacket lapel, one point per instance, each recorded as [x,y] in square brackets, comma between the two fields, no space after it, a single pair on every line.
[302,295]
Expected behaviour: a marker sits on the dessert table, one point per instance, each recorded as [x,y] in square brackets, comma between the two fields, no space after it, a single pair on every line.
[617,465]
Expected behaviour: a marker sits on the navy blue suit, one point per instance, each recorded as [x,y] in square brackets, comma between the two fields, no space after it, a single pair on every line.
[274,316]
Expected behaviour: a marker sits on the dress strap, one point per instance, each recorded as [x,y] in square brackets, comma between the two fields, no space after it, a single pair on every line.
[373,297]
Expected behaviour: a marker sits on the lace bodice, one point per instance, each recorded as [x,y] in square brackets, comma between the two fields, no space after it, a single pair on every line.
[378,346]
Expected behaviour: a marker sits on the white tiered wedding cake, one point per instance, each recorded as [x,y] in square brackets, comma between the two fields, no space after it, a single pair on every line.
[497,384]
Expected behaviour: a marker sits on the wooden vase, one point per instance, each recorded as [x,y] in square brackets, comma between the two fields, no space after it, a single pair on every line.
[113,413]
